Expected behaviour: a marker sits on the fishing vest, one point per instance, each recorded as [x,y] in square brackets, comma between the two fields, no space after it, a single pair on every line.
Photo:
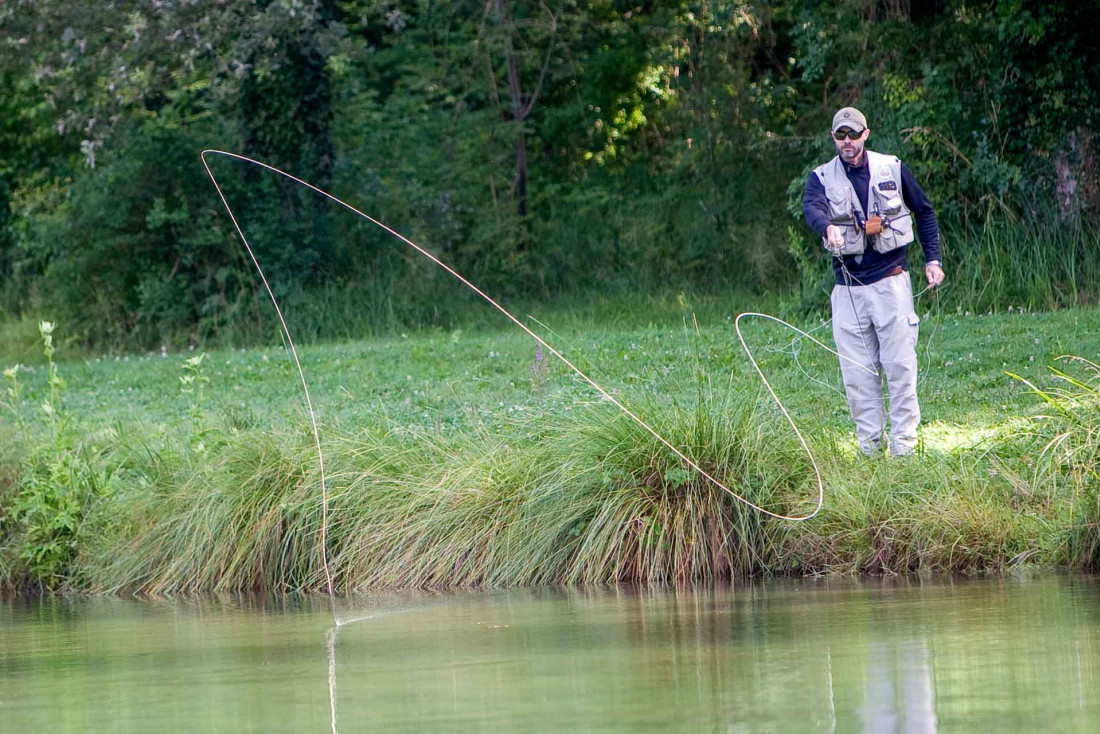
[884,198]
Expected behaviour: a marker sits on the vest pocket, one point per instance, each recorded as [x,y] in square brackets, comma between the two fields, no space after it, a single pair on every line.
[897,229]
[840,214]
[840,203]
[898,234]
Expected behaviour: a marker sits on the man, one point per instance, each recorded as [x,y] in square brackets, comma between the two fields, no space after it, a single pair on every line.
[865,205]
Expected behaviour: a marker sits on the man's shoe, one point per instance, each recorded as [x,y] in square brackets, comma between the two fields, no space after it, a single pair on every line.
[898,451]
[870,449]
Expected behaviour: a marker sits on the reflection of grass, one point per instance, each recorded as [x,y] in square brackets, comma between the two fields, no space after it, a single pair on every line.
[452,462]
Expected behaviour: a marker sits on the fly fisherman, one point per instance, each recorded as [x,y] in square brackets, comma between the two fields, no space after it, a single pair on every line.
[865,205]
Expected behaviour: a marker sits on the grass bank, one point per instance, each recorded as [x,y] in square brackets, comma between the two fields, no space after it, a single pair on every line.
[467,457]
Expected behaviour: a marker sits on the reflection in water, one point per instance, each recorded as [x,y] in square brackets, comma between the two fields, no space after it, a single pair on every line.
[829,688]
[330,644]
[721,659]
[1010,656]
[365,609]
[736,660]
[899,695]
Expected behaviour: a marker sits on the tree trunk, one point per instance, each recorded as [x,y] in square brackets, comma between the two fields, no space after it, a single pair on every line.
[515,96]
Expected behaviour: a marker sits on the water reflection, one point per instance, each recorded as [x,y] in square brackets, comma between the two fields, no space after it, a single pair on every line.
[899,693]
[330,648]
[1012,656]
[776,657]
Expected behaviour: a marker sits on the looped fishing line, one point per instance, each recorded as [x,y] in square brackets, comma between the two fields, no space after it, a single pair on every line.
[808,335]
[596,386]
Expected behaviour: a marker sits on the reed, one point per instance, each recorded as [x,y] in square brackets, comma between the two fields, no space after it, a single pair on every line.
[1000,261]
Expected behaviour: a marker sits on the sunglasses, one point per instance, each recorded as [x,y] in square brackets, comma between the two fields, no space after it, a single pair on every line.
[847,133]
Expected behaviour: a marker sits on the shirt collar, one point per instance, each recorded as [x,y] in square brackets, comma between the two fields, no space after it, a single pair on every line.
[855,167]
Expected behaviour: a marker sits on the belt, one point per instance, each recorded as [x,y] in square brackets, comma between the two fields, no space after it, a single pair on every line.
[898,270]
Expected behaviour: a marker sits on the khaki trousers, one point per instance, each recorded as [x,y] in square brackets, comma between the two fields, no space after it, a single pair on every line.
[875,326]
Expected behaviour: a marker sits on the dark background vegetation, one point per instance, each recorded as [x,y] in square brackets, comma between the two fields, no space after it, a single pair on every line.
[546,149]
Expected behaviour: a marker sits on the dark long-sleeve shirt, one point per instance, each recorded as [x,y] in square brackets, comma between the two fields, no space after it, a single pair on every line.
[873,266]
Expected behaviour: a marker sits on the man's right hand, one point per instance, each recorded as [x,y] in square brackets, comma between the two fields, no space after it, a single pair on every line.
[834,235]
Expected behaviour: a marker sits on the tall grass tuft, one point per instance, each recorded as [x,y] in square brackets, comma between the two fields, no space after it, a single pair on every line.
[600,501]
[597,501]
[245,518]
[1067,446]
[649,518]
[939,514]
[1001,261]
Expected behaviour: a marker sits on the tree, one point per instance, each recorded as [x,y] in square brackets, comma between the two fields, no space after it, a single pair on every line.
[520,104]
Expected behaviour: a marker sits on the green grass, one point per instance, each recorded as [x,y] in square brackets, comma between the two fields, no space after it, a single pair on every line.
[1038,264]
[455,459]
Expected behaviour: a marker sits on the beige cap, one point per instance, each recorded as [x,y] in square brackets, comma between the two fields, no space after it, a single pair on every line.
[849,117]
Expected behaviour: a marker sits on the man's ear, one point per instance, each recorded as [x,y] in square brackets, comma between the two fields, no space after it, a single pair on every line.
[867,134]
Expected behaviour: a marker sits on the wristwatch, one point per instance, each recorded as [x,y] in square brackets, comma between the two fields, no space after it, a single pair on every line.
[933,262]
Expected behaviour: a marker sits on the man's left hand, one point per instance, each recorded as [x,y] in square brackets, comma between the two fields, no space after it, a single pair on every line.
[934,273]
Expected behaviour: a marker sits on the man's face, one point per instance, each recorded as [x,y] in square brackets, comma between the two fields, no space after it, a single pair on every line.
[849,150]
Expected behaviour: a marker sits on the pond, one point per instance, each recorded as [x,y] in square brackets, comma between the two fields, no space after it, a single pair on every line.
[1005,655]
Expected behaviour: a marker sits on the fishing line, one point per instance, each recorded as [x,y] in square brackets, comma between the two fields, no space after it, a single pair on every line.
[808,335]
[330,647]
[596,386]
[928,341]
[330,638]
[794,349]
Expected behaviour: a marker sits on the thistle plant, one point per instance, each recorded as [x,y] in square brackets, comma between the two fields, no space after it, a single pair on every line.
[52,406]
[192,382]
[59,482]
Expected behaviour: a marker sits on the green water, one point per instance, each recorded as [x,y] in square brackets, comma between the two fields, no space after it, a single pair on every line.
[1017,655]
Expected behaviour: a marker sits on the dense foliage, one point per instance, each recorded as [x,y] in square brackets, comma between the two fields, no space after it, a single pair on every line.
[542,147]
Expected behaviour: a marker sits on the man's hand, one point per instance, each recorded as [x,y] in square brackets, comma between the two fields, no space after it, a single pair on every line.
[835,237]
[934,273]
